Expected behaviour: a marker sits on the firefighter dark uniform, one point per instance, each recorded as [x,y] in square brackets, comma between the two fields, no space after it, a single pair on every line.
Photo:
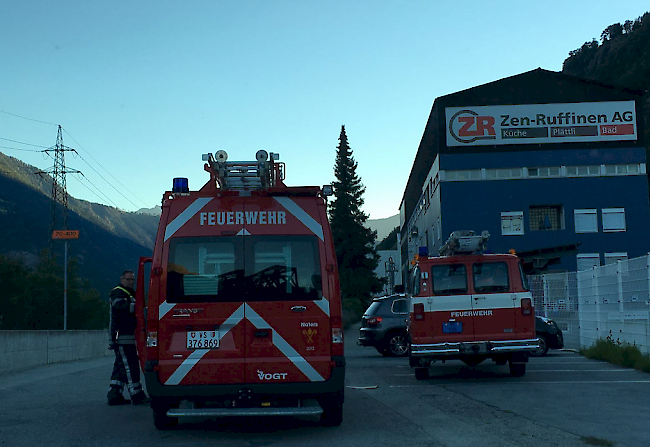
[126,370]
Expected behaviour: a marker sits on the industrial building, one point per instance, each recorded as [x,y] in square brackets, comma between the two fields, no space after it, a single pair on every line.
[553,166]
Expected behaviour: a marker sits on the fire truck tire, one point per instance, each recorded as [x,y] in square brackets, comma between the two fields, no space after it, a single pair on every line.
[332,410]
[517,369]
[396,344]
[421,373]
[542,350]
[160,419]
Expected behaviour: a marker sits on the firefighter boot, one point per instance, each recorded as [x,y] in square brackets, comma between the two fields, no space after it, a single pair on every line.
[140,398]
[115,397]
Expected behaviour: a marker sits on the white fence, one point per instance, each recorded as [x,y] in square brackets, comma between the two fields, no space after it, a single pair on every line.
[607,301]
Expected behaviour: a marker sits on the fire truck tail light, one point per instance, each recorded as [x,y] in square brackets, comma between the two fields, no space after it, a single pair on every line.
[152,339]
[418,311]
[337,330]
[337,335]
[526,306]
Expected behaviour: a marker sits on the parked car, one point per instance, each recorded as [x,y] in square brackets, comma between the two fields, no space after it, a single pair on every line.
[383,325]
[550,336]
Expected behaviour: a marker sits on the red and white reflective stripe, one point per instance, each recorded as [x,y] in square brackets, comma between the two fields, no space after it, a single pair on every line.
[186,215]
[284,347]
[197,355]
[301,215]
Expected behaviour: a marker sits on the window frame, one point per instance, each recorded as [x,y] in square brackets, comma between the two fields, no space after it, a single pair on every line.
[584,212]
[593,256]
[613,212]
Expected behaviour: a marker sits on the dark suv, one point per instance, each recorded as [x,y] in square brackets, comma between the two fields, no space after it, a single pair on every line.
[550,336]
[383,325]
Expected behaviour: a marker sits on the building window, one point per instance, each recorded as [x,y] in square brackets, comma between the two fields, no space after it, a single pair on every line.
[473,174]
[546,217]
[613,258]
[582,171]
[588,261]
[512,223]
[552,171]
[586,221]
[613,219]
[503,173]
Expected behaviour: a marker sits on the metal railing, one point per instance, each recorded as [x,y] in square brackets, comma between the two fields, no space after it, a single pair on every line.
[607,301]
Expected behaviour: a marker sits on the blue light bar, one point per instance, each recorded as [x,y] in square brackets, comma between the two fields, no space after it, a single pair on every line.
[181,185]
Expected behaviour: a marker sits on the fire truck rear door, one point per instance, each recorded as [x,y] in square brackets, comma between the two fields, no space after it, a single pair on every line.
[493,305]
[450,319]
[201,331]
[288,331]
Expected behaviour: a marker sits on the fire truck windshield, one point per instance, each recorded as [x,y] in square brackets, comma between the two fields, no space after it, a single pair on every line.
[449,279]
[237,268]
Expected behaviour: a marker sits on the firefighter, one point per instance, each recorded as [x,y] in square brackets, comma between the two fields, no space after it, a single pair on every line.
[126,370]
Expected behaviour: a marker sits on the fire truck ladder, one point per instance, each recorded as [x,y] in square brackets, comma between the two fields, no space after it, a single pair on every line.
[245,175]
[466,242]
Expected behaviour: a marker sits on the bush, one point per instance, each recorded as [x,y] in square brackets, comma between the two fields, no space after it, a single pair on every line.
[617,353]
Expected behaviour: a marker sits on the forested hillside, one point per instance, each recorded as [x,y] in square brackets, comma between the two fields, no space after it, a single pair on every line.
[110,240]
[621,58]
[138,227]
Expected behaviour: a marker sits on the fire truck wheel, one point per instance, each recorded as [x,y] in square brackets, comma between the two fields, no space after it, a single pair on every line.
[421,373]
[396,345]
[517,369]
[332,410]
[160,418]
[542,350]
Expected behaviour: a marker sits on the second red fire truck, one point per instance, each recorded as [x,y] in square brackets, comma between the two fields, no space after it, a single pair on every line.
[470,306]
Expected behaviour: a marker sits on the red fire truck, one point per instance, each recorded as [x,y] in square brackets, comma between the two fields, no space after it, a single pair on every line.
[240,313]
[470,306]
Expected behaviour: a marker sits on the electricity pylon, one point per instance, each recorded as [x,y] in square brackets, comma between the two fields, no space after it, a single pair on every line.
[59,191]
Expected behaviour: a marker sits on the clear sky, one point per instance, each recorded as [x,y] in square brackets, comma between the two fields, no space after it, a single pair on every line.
[143,88]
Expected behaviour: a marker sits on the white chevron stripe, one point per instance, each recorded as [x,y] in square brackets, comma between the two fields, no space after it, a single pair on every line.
[284,347]
[186,215]
[301,215]
[197,355]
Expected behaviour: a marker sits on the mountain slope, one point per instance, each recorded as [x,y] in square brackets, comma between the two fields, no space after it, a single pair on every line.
[139,227]
[101,254]
[383,226]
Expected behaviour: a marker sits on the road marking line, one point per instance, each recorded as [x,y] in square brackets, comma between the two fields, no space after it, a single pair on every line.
[524,383]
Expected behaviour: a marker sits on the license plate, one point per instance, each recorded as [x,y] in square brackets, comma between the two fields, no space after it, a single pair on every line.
[452,327]
[202,339]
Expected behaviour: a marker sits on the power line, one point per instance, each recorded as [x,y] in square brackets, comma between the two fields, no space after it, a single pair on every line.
[77,153]
[26,144]
[95,160]
[102,197]
[30,119]
[18,149]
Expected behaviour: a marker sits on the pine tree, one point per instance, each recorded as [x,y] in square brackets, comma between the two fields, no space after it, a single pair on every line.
[354,243]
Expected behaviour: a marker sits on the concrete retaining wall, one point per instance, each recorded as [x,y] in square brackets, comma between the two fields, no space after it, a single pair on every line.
[26,349]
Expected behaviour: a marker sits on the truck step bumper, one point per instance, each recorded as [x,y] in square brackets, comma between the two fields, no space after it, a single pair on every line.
[311,408]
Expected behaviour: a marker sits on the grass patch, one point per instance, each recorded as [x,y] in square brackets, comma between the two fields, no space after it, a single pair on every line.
[617,353]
